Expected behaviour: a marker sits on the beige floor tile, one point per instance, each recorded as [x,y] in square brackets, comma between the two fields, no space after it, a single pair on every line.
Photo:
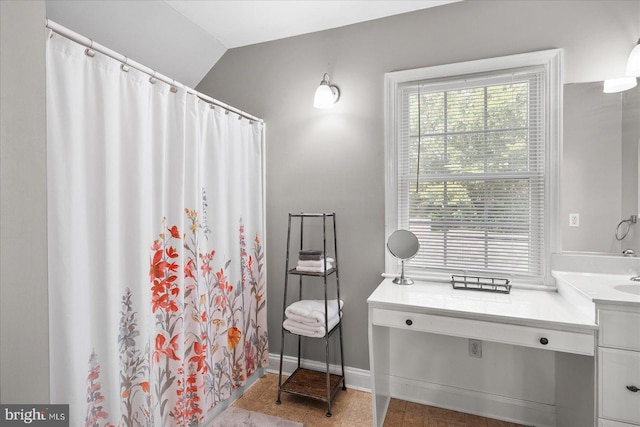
[352,408]
[498,423]
[315,420]
[446,415]
[397,405]
[476,421]
[394,419]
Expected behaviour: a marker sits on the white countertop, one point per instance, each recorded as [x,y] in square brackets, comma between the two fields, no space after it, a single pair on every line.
[521,307]
[601,288]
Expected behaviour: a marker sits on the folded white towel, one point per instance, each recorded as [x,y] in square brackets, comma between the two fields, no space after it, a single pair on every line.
[306,320]
[313,310]
[320,263]
[302,329]
[314,269]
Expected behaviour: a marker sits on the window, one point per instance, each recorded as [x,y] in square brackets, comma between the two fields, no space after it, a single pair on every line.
[472,154]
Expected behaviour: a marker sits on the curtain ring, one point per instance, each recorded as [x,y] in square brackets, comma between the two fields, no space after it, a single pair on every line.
[173,88]
[89,51]
[125,66]
[153,79]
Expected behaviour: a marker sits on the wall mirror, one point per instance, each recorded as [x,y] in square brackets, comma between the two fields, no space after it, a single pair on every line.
[403,245]
[599,175]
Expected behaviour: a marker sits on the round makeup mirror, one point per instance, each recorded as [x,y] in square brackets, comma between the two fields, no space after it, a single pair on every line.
[404,245]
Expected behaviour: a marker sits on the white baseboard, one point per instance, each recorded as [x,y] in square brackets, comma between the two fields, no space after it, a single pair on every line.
[473,402]
[457,399]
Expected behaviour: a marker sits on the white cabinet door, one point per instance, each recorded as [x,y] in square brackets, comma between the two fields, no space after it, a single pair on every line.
[619,373]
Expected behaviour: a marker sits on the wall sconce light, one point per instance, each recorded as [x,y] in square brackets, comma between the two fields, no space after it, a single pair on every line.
[633,70]
[326,94]
[633,63]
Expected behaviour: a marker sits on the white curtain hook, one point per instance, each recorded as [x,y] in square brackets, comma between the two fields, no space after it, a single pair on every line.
[173,89]
[152,79]
[125,66]
[89,51]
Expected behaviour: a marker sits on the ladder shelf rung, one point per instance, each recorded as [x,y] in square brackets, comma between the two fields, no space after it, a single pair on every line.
[311,273]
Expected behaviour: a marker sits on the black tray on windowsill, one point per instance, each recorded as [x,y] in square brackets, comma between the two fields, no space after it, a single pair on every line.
[479,283]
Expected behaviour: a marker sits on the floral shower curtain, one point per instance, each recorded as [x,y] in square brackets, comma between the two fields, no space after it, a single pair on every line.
[157,293]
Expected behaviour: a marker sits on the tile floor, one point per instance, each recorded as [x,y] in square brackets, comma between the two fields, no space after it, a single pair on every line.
[352,408]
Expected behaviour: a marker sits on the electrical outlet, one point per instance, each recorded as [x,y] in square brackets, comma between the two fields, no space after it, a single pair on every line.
[574,220]
[475,348]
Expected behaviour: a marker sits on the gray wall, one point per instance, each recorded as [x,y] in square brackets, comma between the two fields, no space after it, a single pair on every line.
[334,160]
[24,349]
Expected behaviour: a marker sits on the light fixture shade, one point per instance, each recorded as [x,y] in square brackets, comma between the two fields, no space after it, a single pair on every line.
[619,84]
[326,94]
[324,97]
[633,63]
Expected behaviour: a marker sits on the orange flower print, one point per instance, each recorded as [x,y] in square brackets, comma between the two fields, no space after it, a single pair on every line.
[206,269]
[145,386]
[200,351]
[189,269]
[233,337]
[168,350]
[174,232]
[171,252]
[220,301]
[158,266]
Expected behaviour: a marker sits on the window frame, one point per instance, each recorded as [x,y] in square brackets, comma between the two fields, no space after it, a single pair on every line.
[551,60]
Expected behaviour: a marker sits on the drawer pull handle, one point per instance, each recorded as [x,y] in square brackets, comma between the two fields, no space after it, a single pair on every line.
[409,322]
[633,388]
[544,341]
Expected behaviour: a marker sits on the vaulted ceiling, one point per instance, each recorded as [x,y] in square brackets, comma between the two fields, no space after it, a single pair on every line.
[183,39]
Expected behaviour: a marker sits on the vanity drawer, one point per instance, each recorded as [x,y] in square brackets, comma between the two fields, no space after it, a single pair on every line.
[617,370]
[547,339]
[619,329]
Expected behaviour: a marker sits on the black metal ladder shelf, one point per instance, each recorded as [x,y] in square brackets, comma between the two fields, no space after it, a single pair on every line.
[310,383]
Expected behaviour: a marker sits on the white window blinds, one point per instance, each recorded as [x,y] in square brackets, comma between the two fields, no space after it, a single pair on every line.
[471,172]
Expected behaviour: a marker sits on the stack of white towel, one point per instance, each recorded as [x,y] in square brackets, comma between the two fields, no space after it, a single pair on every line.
[313,261]
[306,317]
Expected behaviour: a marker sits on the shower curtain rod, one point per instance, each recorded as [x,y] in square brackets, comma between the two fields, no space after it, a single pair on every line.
[91,45]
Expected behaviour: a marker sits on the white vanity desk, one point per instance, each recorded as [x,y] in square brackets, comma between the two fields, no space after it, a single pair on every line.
[529,318]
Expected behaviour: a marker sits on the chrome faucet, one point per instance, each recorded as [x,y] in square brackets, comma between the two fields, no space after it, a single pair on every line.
[628,252]
[635,278]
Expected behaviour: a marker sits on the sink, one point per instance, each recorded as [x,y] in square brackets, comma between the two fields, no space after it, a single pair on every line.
[631,288]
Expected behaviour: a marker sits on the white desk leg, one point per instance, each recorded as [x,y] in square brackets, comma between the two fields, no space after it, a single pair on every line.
[379,366]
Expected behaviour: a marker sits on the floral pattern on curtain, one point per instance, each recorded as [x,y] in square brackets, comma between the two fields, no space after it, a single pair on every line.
[157,282]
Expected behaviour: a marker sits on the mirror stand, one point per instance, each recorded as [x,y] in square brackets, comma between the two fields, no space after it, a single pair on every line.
[402,280]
